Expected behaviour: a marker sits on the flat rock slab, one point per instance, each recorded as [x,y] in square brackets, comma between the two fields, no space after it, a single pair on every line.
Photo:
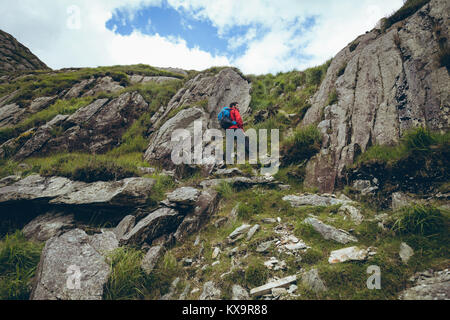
[185,196]
[329,232]
[267,288]
[239,231]
[70,269]
[348,254]
[313,200]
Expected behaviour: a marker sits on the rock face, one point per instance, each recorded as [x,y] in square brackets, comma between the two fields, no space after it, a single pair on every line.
[429,286]
[15,57]
[203,97]
[71,269]
[386,83]
[94,128]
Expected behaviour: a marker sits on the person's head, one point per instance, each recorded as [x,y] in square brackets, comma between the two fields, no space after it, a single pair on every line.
[234,105]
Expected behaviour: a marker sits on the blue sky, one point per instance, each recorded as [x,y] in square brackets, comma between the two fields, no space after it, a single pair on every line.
[257,36]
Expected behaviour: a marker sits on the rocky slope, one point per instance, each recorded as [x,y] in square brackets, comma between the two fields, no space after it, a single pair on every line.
[384,83]
[14,57]
[86,178]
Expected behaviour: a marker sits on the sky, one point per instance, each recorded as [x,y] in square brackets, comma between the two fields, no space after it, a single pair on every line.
[256,36]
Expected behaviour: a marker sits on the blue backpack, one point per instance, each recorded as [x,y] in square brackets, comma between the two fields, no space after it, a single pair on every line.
[224,118]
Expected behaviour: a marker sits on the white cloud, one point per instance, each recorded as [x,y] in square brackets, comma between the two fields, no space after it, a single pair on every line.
[42,26]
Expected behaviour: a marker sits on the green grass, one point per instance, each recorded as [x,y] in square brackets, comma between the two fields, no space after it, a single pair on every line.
[421,220]
[256,273]
[408,9]
[18,261]
[127,280]
[305,143]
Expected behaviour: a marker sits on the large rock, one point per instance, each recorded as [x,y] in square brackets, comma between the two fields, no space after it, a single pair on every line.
[62,191]
[239,293]
[160,222]
[217,90]
[391,82]
[312,280]
[429,286]
[47,226]
[151,258]
[204,208]
[210,292]
[127,192]
[71,269]
[267,288]
[313,200]
[94,128]
[348,254]
[329,232]
[184,196]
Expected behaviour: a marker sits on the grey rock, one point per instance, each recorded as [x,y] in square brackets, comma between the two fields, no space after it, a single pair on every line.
[215,253]
[312,200]
[6,181]
[252,231]
[390,84]
[106,85]
[47,226]
[210,292]
[172,289]
[406,252]
[239,231]
[312,280]
[267,288]
[124,226]
[232,172]
[239,293]
[105,242]
[435,286]
[127,192]
[184,196]
[159,222]
[264,247]
[203,209]
[400,200]
[348,254]
[352,212]
[62,260]
[151,258]
[329,232]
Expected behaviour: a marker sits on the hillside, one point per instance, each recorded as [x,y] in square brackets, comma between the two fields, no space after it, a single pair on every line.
[14,57]
[87,185]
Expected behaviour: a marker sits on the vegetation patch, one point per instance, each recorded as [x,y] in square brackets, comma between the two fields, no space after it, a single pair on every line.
[408,9]
[304,144]
[18,262]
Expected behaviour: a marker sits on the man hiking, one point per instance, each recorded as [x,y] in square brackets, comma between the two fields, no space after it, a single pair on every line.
[230,119]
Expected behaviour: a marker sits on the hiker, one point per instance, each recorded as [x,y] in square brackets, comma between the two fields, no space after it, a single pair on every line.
[230,119]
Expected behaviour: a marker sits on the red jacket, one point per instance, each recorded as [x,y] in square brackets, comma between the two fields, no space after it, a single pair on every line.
[236,116]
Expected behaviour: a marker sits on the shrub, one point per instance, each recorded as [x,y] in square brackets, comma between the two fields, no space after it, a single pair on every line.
[18,261]
[256,274]
[418,219]
[305,143]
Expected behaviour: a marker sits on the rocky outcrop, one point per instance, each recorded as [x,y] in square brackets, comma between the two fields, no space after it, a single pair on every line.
[62,191]
[202,98]
[429,285]
[385,83]
[71,268]
[15,57]
[12,114]
[47,226]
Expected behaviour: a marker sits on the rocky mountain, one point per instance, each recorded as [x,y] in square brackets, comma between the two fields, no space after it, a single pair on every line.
[93,208]
[15,57]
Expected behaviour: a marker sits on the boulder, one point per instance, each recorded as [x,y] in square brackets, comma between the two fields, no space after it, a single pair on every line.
[400,200]
[252,231]
[329,232]
[239,231]
[312,200]
[351,212]
[70,269]
[348,254]
[406,252]
[159,222]
[210,292]
[239,293]
[124,226]
[312,280]
[47,226]
[183,197]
